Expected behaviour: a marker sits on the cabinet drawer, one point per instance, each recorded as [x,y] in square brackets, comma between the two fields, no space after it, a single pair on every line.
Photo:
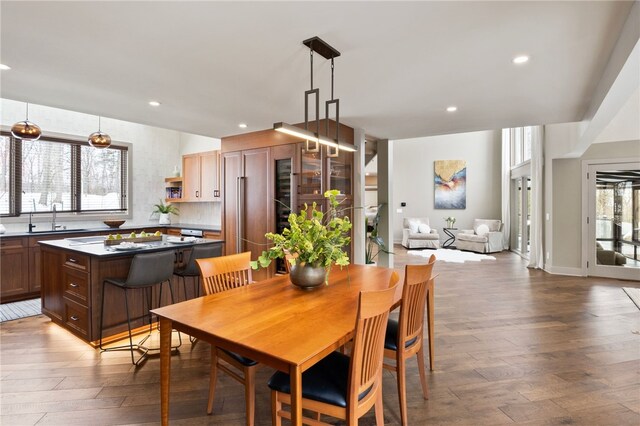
[76,284]
[76,317]
[13,242]
[77,261]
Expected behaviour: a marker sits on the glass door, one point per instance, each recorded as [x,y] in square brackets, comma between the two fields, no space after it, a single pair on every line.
[282,201]
[521,215]
[310,177]
[614,220]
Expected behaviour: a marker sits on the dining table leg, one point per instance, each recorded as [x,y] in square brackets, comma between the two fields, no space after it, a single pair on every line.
[165,368]
[295,377]
[430,323]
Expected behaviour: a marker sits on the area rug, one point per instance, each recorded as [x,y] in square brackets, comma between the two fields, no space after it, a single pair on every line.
[454,256]
[634,294]
[17,310]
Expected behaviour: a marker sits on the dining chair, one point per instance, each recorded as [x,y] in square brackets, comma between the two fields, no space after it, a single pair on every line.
[147,270]
[404,337]
[220,274]
[341,386]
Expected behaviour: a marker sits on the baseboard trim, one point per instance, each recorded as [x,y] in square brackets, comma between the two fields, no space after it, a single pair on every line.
[563,270]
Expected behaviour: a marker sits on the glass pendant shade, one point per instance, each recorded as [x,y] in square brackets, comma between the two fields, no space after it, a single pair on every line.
[99,140]
[26,130]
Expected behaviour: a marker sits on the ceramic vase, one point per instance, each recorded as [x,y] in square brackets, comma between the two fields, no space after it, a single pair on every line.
[307,277]
[165,219]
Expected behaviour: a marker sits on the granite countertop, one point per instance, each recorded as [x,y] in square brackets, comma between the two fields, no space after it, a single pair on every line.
[97,248]
[89,230]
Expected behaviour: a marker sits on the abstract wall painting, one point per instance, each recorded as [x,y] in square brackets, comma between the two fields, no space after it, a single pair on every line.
[450,184]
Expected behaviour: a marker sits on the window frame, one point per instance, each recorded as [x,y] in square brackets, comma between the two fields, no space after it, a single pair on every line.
[15,179]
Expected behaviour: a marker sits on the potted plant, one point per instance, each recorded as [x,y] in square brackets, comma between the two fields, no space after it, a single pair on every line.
[165,210]
[450,221]
[313,242]
[375,243]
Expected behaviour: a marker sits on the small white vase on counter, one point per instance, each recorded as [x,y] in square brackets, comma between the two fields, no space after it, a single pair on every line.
[165,219]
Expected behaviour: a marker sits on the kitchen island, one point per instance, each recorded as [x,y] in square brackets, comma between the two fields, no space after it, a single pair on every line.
[73,271]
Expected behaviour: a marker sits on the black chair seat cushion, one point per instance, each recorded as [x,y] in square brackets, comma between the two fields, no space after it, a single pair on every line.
[326,381]
[391,337]
[247,362]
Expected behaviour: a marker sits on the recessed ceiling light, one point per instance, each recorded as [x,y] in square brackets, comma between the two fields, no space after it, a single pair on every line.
[154,103]
[242,125]
[520,59]
[4,67]
[452,108]
[367,174]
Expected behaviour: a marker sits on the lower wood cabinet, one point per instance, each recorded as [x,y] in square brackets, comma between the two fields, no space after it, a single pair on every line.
[14,273]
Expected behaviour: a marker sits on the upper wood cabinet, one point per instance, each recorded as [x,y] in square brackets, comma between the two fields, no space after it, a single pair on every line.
[201,176]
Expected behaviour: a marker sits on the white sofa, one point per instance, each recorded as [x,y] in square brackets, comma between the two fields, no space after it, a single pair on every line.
[485,237]
[412,237]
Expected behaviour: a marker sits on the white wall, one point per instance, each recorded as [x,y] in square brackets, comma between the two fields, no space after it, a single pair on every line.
[413,180]
[154,154]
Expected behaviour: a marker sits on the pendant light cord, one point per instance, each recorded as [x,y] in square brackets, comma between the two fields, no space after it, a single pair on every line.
[332,78]
[27,119]
[311,64]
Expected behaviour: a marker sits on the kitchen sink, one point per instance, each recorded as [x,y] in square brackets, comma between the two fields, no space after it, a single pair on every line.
[44,231]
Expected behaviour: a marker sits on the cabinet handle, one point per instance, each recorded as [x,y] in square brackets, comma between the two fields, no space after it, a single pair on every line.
[175,256]
[197,194]
[73,285]
[180,257]
[216,193]
[74,318]
[72,260]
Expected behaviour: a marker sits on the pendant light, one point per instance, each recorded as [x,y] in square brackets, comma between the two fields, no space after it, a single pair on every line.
[26,130]
[99,139]
[316,44]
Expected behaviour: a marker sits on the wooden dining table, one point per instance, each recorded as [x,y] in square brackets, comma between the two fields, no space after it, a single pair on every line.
[274,323]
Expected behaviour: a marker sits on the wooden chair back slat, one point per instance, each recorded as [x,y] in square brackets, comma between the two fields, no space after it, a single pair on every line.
[368,345]
[225,272]
[414,294]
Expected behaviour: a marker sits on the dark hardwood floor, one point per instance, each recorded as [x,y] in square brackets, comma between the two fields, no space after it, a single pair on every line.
[512,346]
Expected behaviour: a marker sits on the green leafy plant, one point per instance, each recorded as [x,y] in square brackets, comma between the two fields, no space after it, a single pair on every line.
[375,243]
[165,208]
[313,238]
[450,221]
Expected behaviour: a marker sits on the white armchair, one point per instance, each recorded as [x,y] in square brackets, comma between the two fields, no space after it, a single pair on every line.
[416,233]
[485,237]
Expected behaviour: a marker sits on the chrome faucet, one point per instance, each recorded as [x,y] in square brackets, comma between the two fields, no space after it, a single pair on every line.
[53,219]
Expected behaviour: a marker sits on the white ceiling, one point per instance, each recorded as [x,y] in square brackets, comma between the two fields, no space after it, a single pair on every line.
[216,64]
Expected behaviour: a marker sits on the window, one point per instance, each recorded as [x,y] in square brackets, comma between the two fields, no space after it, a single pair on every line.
[67,174]
[520,138]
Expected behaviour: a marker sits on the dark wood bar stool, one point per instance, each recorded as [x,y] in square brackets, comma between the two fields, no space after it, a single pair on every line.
[147,271]
[191,270]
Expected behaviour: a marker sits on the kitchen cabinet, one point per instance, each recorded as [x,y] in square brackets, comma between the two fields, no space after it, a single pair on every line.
[73,277]
[14,274]
[201,177]
[22,278]
[265,173]
[248,195]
